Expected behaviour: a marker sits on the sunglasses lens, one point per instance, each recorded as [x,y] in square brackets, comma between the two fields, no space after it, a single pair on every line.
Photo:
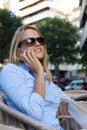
[40,40]
[30,40]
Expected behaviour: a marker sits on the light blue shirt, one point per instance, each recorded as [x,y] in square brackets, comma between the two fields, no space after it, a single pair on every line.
[18,82]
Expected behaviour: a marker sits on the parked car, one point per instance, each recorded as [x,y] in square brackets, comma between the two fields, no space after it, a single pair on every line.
[76,85]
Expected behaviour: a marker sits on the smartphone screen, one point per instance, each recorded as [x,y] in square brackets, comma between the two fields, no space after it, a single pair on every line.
[19,52]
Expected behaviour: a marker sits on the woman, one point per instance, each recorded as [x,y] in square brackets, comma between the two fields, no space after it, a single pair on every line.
[26,80]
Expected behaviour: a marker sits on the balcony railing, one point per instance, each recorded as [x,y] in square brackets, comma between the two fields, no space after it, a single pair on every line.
[83,14]
[83,41]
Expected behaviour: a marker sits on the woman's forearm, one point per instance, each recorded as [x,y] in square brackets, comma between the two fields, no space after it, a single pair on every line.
[40,84]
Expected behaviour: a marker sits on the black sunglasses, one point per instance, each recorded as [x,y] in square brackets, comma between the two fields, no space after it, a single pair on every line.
[31,41]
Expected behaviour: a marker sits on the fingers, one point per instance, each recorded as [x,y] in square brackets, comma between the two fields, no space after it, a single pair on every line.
[31,61]
[28,56]
[24,55]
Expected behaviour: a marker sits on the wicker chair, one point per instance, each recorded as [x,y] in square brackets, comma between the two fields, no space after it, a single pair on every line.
[66,120]
[12,117]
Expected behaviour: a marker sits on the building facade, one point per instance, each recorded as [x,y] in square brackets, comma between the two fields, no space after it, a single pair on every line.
[83,24]
[35,10]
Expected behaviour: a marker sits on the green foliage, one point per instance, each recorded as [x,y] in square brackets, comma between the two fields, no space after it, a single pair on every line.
[8,24]
[61,39]
[83,60]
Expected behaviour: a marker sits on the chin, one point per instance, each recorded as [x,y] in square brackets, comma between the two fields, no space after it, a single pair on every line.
[39,56]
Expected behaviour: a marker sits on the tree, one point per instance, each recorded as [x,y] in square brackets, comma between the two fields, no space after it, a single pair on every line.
[83,61]
[8,24]
[61,39]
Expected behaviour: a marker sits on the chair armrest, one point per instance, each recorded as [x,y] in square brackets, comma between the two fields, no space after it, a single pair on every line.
[66,120]
[63,107]
[82,97]
[24,118]
[62,112]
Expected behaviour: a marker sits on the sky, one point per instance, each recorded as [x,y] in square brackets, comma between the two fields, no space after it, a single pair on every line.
[14,6]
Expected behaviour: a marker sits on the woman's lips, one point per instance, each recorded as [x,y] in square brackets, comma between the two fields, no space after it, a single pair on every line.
[38,50]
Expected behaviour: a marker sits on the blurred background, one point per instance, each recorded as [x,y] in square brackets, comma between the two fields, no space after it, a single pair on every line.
[63,23]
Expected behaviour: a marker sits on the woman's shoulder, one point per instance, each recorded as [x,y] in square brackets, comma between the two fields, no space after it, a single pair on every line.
[10,68]
[13,69]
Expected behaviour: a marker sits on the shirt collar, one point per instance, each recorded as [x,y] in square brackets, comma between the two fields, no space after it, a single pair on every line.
[23,65]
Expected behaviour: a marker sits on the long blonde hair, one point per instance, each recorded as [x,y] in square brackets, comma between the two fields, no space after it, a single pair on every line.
[13,58]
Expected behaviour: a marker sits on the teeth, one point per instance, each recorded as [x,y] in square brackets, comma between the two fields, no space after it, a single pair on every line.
[38,50]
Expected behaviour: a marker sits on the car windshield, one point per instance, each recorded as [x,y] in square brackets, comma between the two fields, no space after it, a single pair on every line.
[72,84]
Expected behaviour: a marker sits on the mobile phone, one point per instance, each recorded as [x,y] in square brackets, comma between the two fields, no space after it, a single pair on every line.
[20,51]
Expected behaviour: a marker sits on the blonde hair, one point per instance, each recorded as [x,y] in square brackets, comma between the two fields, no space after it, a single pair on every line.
[13,58]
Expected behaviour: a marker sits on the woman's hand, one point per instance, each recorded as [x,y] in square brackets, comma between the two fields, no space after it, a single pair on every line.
[35,65]
[31,61]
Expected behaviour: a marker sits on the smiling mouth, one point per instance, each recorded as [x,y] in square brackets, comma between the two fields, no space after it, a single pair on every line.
[38,50]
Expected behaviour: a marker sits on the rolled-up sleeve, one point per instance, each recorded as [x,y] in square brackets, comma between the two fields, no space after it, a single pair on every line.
[34,106]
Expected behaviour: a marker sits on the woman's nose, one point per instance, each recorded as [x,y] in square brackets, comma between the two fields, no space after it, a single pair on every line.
[37,43]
